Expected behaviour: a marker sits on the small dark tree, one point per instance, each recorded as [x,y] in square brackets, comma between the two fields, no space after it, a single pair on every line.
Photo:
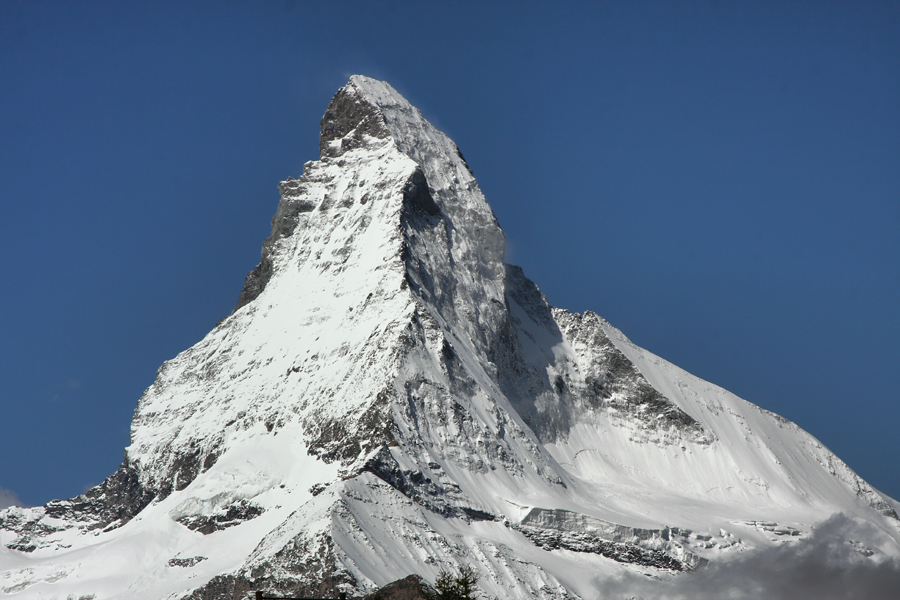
[453,587]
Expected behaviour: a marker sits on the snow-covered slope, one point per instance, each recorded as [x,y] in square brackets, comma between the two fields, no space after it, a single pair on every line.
[389,398]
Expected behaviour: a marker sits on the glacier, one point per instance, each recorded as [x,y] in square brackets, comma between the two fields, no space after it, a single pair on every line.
[389,397]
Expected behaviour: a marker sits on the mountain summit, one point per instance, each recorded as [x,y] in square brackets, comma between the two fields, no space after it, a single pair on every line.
[390,398]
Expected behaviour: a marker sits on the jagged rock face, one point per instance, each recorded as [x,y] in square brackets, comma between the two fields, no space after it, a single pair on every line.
[388,398]
[587,378]
[660,548]
[106,506]
[348,122]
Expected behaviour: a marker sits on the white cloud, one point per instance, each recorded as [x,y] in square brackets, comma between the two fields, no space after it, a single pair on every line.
[825,567]
[8,498]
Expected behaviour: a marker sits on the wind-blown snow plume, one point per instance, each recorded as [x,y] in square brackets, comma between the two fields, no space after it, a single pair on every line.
[8,498]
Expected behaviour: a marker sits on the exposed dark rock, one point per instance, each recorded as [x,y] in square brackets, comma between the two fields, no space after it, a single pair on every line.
[554,529]
[478,515]
[234,514]
[106,506]
[235,587]
[28,527]
[293,203]
[185,465]
[550,539]
[240,587]
[317,488]
[408,588]
[605,380]
[417,196]
[336,440]
[225,587]
[331,441]
[422,489]
[210,460]
[303,568]
[119,498]
[883,507]
[612,383]
[22,547]
[463,159]
[185,469]
[186,562]
[412,484]
[256,281]
[348,112]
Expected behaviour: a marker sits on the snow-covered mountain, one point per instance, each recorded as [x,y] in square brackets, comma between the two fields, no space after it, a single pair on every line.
[389,397]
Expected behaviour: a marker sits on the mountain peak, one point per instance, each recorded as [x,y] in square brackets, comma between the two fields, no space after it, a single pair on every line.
[366,113]
[352,111]
[390,398]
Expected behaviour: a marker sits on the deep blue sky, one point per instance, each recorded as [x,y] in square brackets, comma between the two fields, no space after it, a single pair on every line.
[719,180]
